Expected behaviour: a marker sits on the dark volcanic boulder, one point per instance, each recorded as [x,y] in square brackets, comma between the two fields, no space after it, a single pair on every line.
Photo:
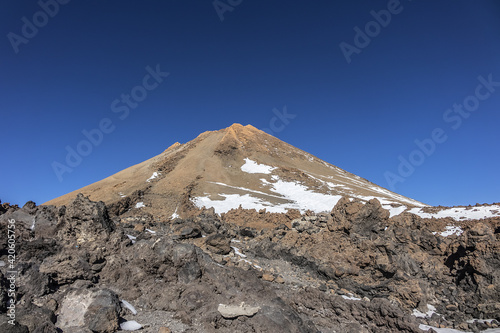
[86,221]
[218,244]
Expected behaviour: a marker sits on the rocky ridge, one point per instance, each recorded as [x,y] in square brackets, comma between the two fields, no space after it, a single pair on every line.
[85,267]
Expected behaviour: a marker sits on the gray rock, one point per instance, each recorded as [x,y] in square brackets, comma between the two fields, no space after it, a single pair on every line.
[219,244]
[94,309]
[233,311]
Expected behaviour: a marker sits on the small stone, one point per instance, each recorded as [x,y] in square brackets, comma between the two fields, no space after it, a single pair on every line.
[139,227]
[164,330]
[52,305]
[451,307]
[279,279]
[268,277]
[234,311]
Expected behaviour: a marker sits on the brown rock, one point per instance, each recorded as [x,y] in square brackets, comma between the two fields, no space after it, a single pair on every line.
[268,277]
[451,307]
[139,227]
[219,244]
[164,330]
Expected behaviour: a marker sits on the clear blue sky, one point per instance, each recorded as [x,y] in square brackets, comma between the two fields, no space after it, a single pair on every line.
[364,116]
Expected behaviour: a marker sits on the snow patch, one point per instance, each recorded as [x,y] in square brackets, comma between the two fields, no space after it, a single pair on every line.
[233,201]
[155,175]
[175,215]
[394,211]
[450,230]
[237,252]
[430,311]
[129,306]
[130,325]
[351,298]
[253,167]
[150,231]
[481,321]
[298,196]
[451,330]
[461,213]
[132,238]
[140,205]
[303,197]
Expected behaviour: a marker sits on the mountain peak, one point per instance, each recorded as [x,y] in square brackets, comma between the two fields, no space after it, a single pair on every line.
[238,128]
[237,165]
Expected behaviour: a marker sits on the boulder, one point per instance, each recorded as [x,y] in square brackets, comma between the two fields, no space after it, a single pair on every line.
[218,244]
[96,310]
[233,311]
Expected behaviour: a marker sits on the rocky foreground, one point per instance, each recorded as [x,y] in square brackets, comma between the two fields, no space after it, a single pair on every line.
[81,268]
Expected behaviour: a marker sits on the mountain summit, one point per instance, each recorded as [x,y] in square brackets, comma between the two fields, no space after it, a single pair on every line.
[237,165]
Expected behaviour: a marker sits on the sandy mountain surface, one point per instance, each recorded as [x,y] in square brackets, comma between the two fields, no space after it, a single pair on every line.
[238,165]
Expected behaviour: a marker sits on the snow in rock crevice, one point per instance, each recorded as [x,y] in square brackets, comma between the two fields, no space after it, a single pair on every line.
[450,230]
[155,175]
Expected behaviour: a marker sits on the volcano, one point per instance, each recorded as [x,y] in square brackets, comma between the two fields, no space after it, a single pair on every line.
[233,167]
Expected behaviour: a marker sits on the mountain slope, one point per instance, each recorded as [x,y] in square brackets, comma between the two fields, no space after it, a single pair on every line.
[238,165]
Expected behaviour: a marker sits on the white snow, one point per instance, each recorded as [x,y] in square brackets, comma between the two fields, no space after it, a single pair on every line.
[129,306]
[430,311]
[303,197]
[233,201]
[121,195]
[351,298]
[2,263]
[450,230]
[298,197]
[150,231]
[33,224]
[253,167]
[451,330]
[130,325]
[140,205]
[329,184]
[155,175]
[264,181]
[394,211]
[132,238]
[461,213]
[175,215]
[237,251]
[482,321]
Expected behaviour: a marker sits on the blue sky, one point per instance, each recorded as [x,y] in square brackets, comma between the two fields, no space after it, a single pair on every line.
[72,69]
